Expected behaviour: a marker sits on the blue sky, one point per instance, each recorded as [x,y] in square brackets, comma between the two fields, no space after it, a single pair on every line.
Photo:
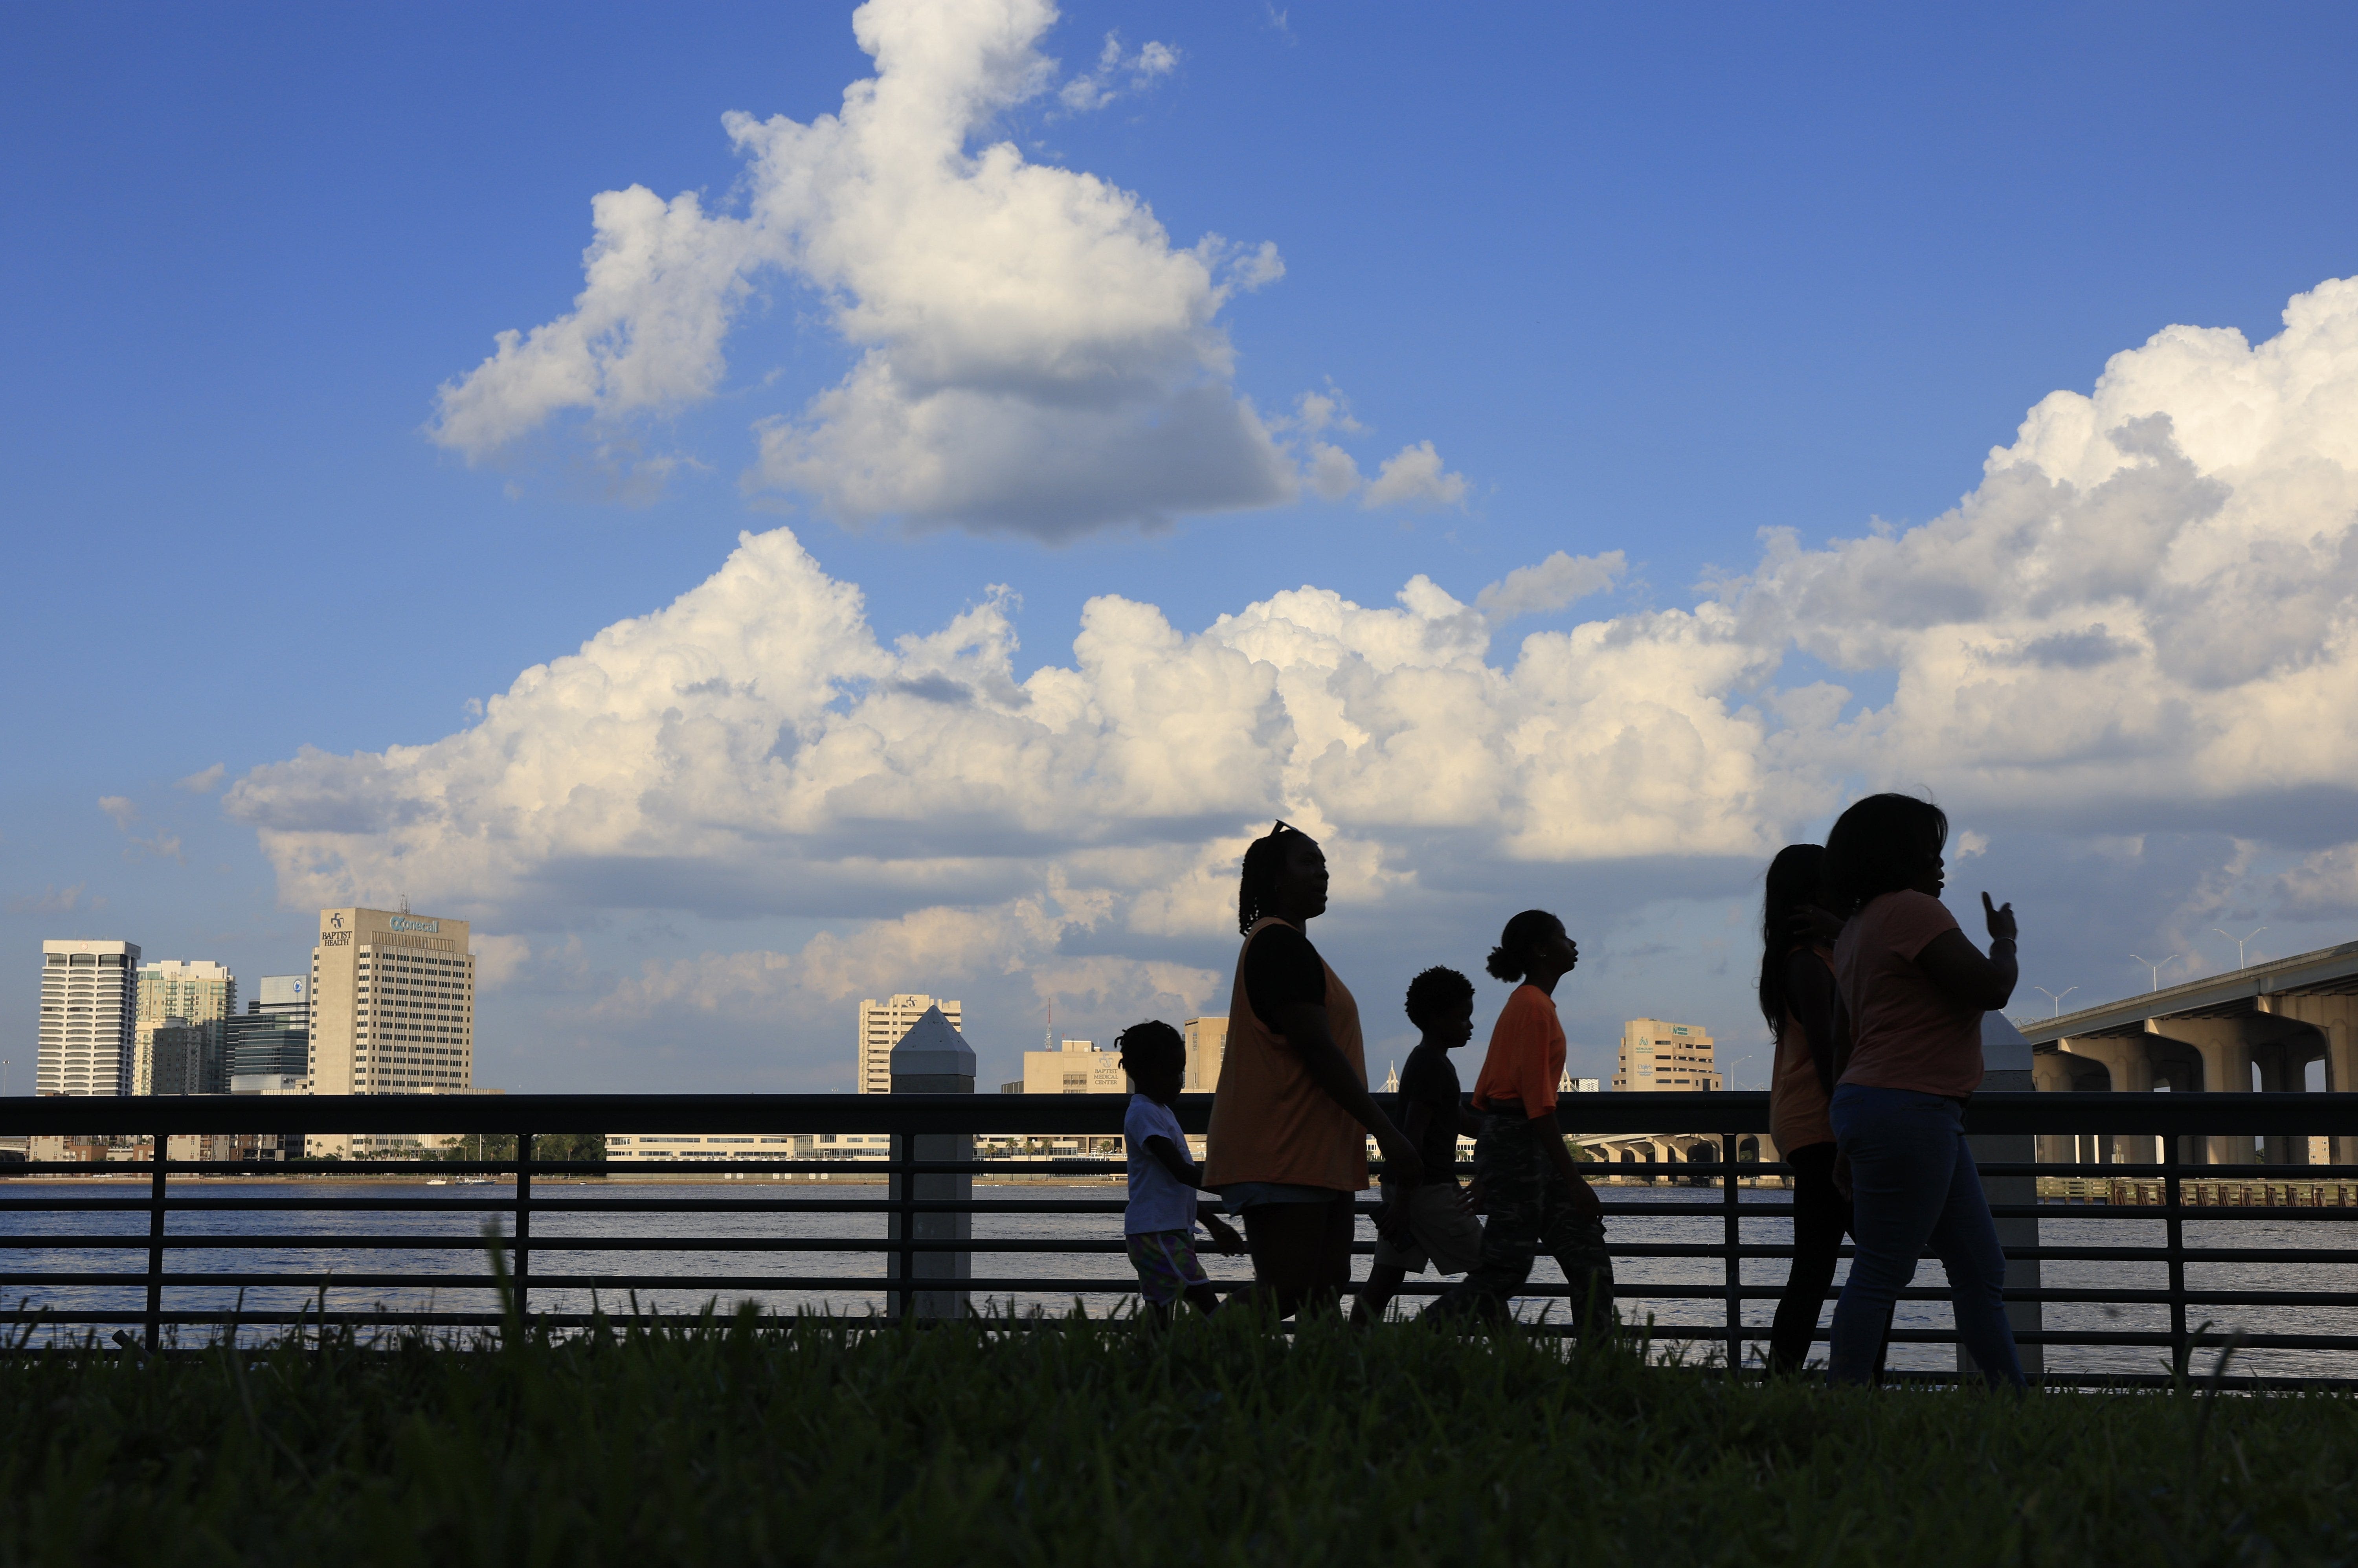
[1647,282]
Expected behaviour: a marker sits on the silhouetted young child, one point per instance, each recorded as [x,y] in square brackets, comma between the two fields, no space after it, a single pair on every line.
[1160,1224]
[1430,1224]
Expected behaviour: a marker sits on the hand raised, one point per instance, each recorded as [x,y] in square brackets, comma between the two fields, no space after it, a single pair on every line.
[2001,919]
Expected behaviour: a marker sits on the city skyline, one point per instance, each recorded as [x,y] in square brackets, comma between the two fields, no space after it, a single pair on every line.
[759,515]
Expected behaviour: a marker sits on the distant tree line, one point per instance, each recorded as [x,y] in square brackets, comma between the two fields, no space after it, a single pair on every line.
[545,1146]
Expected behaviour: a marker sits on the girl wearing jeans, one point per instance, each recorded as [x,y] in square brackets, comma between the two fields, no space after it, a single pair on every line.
[1914,988]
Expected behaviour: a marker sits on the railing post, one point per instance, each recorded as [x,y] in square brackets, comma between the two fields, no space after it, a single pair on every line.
[2174,1244]
[522,1271]
[155,1188]
[1730,1216]
[931,1059]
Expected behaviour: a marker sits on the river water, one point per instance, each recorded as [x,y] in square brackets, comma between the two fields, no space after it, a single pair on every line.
[437,1215]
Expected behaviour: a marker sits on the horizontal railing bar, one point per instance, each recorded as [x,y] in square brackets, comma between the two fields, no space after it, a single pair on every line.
[187,1241]
[1729,1112]
[1108,1285]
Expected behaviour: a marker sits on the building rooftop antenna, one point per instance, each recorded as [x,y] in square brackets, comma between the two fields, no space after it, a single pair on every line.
[405,903]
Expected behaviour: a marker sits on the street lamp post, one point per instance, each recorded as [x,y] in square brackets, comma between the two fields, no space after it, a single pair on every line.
[2056,996]
[2239,942]
[2156,969]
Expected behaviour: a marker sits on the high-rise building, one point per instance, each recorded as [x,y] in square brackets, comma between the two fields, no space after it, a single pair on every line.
[90,1002]
[270,1043]
[881,1024]
[1207,1042]
[180,1058]
[192,993]
[1660,1056]
[392,1004]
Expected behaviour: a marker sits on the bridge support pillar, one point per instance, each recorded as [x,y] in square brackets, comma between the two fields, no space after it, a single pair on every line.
[2128,1070]
[2007,1065]
[932,1058]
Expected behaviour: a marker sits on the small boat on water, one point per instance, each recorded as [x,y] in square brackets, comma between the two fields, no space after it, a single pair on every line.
[441,1181]
[474,1181]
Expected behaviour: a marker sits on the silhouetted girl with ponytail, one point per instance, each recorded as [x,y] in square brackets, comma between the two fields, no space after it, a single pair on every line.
[1536,1199]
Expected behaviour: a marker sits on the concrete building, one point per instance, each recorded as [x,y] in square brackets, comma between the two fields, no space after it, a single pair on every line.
[1074,1067]
[1208,1043]
[392,1011]
[193,993]
[90,1003]
[392,1004]
[1657,1057]
[881,1024]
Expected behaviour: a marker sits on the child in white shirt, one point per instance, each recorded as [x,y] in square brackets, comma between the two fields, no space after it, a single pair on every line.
[1160,1222]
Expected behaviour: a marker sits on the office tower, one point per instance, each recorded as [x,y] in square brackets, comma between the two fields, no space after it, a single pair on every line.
[1656,1056]
[90,1002]
[392,1004]
[192,993]
[269,1043]
[881,1024]
[1207,1042]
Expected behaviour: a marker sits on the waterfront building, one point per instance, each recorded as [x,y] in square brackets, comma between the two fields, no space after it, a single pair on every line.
[1207,1042]
[193,993]
[1660,1056]
[1074,1067]
[656,1148]
[392,1004]
[89,1006]
[881,1024]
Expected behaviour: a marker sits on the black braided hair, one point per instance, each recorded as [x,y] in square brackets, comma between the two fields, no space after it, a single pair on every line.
[1264,859]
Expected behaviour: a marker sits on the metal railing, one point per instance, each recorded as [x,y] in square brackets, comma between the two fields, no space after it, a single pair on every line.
[178,1252]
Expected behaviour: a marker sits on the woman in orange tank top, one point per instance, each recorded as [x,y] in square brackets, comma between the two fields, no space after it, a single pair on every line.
[1291,1117]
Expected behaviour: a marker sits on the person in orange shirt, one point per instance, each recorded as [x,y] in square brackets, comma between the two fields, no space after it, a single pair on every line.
[1534,1190]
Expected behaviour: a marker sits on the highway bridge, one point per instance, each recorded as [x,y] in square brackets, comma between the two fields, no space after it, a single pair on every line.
[2253,1029]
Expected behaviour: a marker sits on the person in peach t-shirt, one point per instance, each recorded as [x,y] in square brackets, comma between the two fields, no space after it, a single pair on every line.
[1913,988]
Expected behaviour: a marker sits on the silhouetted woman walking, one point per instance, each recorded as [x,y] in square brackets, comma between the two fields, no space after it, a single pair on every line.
[1532,1187]
[1914,988]
[1291,1118]
[1797,998]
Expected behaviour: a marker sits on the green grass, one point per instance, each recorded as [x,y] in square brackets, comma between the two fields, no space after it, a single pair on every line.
[810,1441]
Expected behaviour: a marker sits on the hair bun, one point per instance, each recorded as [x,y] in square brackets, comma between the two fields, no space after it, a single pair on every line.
[1503,964]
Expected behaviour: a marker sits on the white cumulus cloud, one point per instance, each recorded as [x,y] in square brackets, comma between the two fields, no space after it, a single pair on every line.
[1413,477]
[2139,622]
[1034,353]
